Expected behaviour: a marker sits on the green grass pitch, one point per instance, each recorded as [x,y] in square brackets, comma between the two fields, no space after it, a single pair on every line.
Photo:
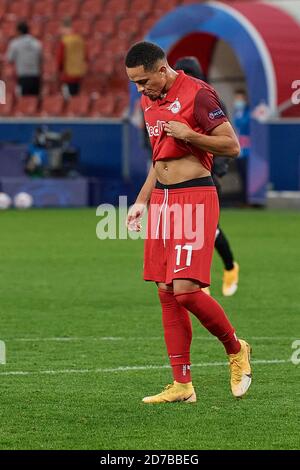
[82,331]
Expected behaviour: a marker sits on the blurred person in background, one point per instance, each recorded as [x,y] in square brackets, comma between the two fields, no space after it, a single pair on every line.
[25,52]
[191,66]
[71,59]
[241,122]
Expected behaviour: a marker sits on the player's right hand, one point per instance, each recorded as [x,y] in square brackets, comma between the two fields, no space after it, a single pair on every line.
[135,213]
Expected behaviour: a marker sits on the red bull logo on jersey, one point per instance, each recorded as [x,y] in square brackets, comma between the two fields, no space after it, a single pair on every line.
[175,107]
[155,131]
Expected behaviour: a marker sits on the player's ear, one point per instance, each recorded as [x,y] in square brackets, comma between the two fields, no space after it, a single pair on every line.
[162,70]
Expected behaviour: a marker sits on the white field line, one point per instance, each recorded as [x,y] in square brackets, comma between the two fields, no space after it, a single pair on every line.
[135,368]
[138,338]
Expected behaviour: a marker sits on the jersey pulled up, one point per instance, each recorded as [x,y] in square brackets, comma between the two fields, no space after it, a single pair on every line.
[191,101]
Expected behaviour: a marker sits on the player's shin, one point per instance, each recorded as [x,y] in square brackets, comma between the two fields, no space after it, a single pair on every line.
[212,317]
[178,335]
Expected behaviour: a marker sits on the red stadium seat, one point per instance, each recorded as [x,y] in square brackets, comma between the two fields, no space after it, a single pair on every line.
[8,75]
[94,48]
[49,48]
[148,24]
[103,66]
[140,8]
[105,27]
[8,72]
[19,8]
[3,8]
[36,27]
[44,8]
[78,106]
[67,8]
[3,46]
[121,104]
[52,28]
[26,106]
[49,69]
[52,106]
[116,8]
[165,5]
[128,27]
[91,9]
[117,46]
[7,108]
[83,26]
[103,106]
[92,84]
[8,29]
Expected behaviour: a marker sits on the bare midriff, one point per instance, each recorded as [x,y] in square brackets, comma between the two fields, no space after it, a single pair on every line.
[176,170]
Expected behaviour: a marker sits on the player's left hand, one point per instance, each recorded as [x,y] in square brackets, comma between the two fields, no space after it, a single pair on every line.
[177,129]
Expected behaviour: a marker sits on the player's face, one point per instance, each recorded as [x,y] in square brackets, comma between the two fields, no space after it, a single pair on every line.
[150,83]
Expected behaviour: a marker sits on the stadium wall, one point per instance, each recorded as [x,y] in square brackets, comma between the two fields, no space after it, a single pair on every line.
[104,170]
[100,143]
[275,159]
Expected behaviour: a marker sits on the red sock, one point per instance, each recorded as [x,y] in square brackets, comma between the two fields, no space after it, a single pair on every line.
[178,335]
[212,317]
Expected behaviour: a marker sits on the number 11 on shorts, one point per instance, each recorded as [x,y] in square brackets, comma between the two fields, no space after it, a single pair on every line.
[188,249]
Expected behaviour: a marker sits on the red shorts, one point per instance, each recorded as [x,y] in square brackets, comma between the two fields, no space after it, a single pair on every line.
[181,233]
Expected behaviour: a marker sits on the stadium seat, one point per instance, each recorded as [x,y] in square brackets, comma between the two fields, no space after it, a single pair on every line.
[8,29]
[148,24]
[52,28]
[91,9]
[103,66]
[44,8]
[67,8]
[8,72]
[103,106]
[26,106]
[2,9]
[36,27]
[140,8]
[52,106]
[49,69]
[94,49]
[6,109]
[49,48]
[3,46]
[78,106]
[116,8]
[83,26]
[117,46]
[19,9]
[121,104]
[9,77]
[128,27]
[165,5]
[119,78]
[104,27]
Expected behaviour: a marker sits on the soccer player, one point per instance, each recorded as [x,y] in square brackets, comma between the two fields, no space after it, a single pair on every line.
[186,126]
[191,66]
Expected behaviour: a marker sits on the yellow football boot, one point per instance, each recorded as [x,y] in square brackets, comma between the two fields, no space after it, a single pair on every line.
[240,370]
[230,280]
[174,392]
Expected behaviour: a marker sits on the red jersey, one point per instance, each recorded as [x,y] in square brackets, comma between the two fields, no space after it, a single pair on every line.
[190,101]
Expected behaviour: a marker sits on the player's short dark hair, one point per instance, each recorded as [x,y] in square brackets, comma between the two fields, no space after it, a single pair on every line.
[22,27]
[191,66]
[144,53]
